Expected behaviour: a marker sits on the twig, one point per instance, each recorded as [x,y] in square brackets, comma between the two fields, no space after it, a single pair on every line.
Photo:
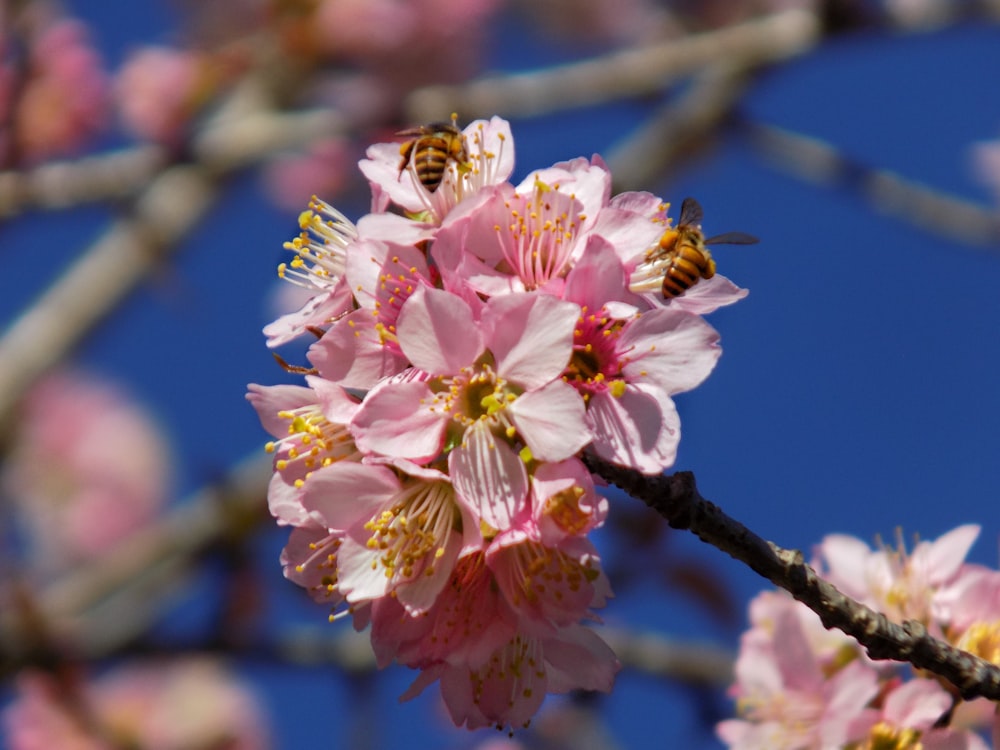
[679,131]
[816,161]
[676,498]
[100,606]
[619,75]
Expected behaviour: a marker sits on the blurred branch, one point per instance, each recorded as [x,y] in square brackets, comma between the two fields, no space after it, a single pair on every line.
[223,146]
[619,75]
[680,130]
[676,498]
[60,184]
[100,278]
[818,162]
[165,212]
[98,607]
[697,664]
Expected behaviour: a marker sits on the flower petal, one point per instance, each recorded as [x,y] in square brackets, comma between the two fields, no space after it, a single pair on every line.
[639,429]
[347,493]
[552,421]
[437,332]
[489,476]
[394,421]
[671,349]
[531,336]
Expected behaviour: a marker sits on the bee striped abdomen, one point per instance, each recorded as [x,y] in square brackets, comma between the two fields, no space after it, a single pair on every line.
[430,149]
[683,250]
[689,265]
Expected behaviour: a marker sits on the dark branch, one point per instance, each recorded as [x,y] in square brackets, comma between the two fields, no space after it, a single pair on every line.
[676,498]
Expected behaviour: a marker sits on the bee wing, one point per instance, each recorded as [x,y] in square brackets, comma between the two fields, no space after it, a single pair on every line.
[732,238]
[691,212]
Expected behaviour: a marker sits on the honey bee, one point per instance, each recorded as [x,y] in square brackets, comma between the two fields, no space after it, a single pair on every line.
[684,247]
[430,147]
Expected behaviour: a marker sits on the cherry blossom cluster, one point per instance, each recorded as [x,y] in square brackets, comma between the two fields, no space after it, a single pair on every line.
[799,685]
[469,342]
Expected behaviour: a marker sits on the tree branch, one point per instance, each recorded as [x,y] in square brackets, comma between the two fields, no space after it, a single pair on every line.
[676,498]
[623,74]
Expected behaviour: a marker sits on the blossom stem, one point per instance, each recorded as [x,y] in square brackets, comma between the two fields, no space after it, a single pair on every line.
[676,498]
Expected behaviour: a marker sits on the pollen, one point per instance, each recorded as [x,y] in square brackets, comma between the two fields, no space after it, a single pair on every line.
[411,535]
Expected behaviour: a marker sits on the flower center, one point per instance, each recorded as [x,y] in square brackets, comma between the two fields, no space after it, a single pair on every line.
[595,364]
[312,442]
[538,242]
[411,535]
[326,233]
[887,737]
[477,394]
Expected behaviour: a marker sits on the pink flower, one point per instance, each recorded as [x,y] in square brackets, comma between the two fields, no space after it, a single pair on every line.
[627,365]
[548,586]
[469,620]
[89,468]
[565,502]
[494,391]
[319,265]
[508,688]
[907,718]
[526,238]
[903,586]
[491,161]
[65,100]
[310,425]
[162,706]
[491,335]
[160,88]
[361,348]
[399,536]
[787,699]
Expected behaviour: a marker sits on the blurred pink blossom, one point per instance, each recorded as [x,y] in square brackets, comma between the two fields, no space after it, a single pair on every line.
[291,179]
[157,706]
[89,467]
[64,99]
[160,88]
[904,585]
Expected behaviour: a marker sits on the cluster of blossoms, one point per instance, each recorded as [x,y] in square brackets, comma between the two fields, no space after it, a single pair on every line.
[470,340]
[802,687]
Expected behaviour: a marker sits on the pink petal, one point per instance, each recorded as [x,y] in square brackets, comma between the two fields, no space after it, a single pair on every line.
[577,658]
[345,494]
[670,349]
[318,310]
[940,560]
[337,405]
[490,477]
[284,501]
[352,354]
[707,296]
[437,332]
[639,429]
[597,277]
[531,336]
[552,421]
[268,400]
[395,420]
[359,578]
[418,594]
